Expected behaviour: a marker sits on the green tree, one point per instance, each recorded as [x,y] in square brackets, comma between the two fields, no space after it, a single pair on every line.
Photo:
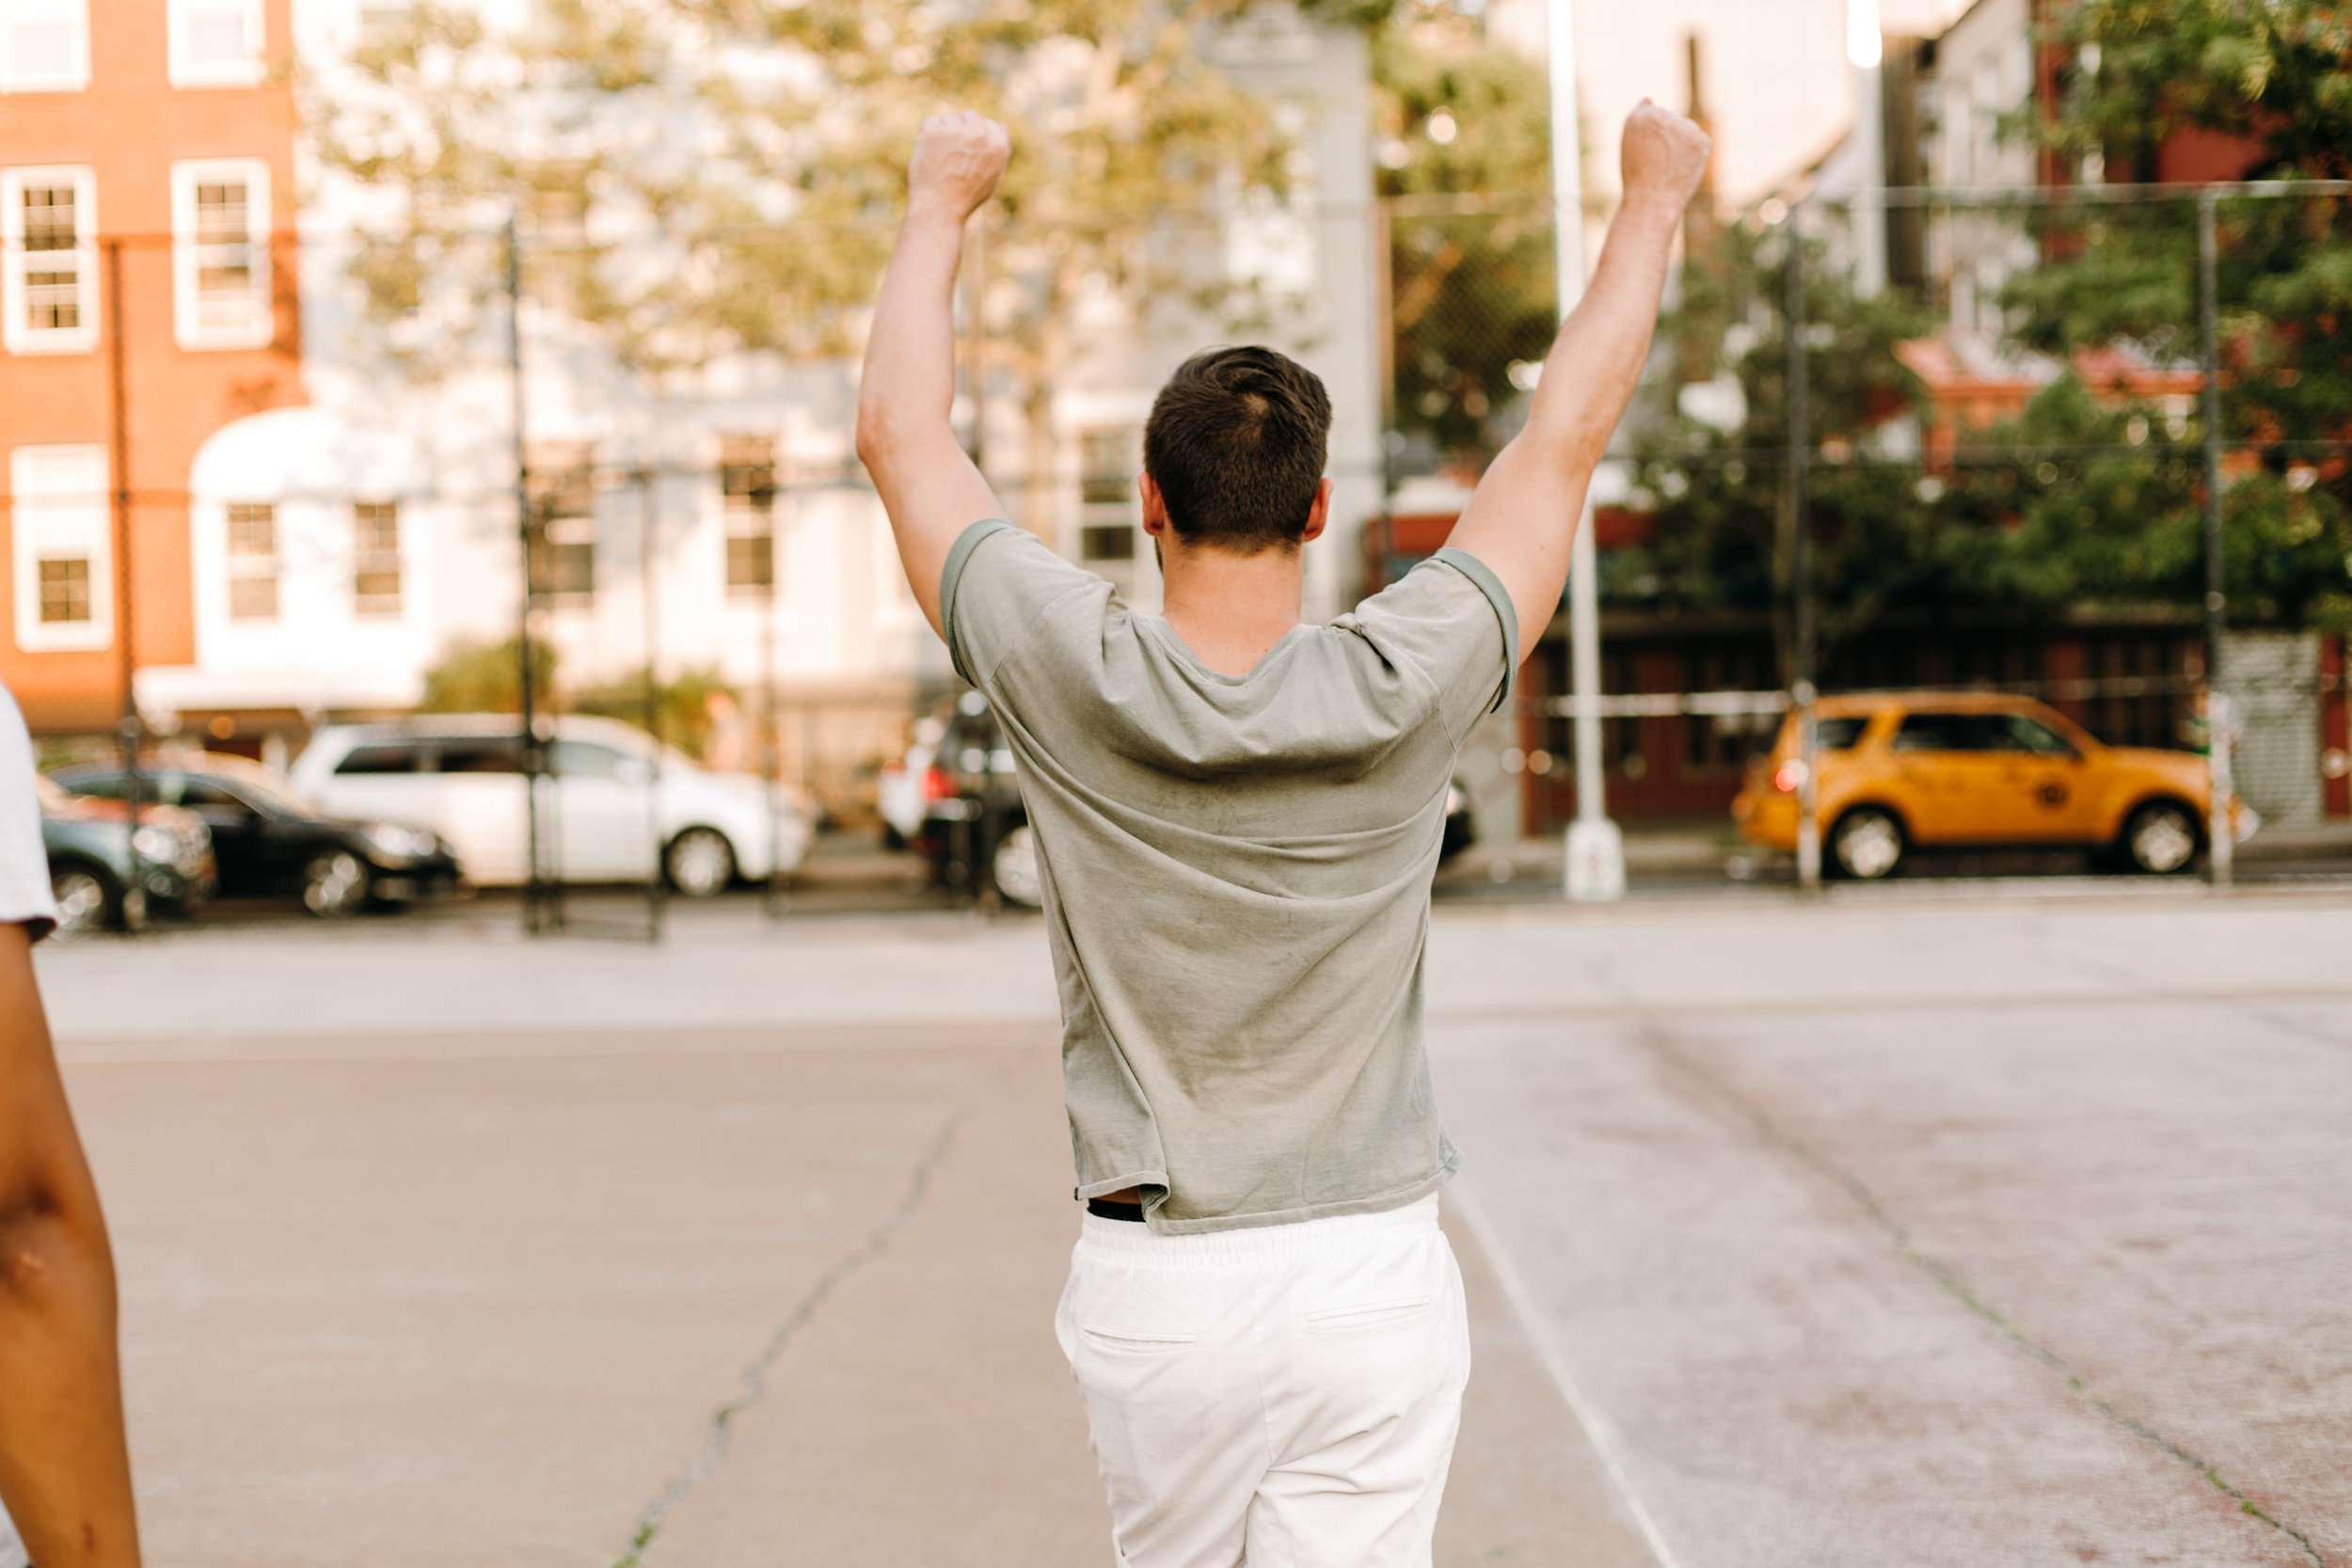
[715,176]
[2277,75]
[1724,533]
[1464,129]
[486,677]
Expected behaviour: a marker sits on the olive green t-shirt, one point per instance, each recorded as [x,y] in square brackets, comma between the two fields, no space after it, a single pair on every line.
[1237,874]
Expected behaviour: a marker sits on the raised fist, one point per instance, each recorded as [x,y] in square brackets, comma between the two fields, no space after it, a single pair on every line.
[1663,156]
[959,157]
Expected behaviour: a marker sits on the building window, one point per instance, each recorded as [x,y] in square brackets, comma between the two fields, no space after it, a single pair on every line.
[1106,467]
[64,590]
[747,482]
[1722,743]
[375,558]
[50,287]
[1107,463]
[252,561]
[60,541]
[220,233]
[216,43]
[562,486]
[44,45]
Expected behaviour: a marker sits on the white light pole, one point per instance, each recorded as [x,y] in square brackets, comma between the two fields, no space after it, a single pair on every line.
[1595,868]
[1864,51]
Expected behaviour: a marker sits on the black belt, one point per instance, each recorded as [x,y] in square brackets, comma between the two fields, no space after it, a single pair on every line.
[1106,1208]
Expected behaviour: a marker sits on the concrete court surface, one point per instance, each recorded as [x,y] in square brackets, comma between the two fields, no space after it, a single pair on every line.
[1989,1230]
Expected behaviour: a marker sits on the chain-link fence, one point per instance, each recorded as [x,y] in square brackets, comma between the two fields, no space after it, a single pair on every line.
[271,495]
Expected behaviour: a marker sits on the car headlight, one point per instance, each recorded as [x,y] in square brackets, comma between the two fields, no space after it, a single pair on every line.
[401,842]
[156,843]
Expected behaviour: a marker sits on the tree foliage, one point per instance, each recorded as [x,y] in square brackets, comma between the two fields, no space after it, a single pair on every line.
[1472,288]
[699,178]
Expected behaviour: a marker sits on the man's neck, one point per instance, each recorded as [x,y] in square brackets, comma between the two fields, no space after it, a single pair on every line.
[1230,608]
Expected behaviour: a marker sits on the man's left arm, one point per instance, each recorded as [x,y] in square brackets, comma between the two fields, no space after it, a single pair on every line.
[927,483]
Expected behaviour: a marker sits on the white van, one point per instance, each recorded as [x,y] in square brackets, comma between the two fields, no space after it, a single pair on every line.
[610,804]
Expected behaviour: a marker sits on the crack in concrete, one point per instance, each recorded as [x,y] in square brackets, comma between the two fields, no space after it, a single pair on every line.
[1654,1036]
[754,1375]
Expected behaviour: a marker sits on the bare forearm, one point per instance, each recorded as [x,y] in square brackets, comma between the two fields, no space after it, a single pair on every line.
[65,1471]
[909,381]
[1595,361]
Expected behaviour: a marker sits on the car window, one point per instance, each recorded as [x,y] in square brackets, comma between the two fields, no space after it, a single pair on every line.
[1953,732]
[398,757]
[2021,734]
[106,786]
[585,759]
[1840,735]
[188,790]
[491,753]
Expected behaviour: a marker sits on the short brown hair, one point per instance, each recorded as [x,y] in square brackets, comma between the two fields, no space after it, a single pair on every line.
[1236,443]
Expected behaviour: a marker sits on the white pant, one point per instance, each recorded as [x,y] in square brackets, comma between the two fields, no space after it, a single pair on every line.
[1285,1396]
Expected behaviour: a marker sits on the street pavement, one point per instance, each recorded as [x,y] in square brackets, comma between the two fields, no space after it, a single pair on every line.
[1890,1228]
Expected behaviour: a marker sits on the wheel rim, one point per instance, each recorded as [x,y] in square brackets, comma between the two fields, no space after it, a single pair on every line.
[1869,845]
[2162,840]
[1015,868]
[81,900]
[701,863]
[335,884]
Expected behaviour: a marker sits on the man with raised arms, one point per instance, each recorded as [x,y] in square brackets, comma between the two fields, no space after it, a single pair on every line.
[1237,816]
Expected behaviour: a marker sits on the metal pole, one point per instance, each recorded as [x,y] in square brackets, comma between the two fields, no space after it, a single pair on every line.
[132,732]
[533,760]
[1801,690]
[1594,859]
[657,886]
[771,738]
[2221,831]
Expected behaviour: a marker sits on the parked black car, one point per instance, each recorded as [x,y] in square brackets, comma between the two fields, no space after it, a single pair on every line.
[94,873]
[270,842]
[975,831]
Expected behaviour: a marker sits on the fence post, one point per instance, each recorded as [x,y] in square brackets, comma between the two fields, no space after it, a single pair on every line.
[2220,832]
[132,731]
[535,900]
[1801,690]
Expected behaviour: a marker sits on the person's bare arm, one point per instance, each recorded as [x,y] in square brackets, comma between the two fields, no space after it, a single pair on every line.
[65,1472]
[928,484]
[1523,519]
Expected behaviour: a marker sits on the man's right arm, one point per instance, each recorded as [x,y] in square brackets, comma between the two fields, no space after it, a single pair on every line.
[1522,519]
[65,1471]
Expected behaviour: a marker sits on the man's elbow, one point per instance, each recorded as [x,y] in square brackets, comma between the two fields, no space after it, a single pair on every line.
[872,439]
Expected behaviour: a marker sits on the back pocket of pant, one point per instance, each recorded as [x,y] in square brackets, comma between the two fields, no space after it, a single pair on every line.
[1137,1341]
[1371,1315]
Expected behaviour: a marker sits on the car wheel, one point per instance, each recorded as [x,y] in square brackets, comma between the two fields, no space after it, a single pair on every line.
[2161,838]
[335,884]
[1014,868]
[86,899]
[1868,844]
[700,862]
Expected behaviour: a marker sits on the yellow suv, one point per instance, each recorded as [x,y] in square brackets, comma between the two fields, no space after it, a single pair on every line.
[1900,769]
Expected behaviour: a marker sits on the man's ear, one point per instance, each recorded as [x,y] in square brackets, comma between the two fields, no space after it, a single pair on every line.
[1154,509]
[1319,514]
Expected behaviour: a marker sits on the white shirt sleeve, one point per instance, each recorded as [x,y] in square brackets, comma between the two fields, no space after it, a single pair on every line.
[25,896]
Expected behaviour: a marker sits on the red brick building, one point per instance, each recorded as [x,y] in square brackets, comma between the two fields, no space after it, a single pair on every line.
[147,279]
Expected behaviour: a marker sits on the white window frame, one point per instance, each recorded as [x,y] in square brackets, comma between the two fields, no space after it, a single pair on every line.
[187,73]
[245,566]
[19,335]
[49,523]
[189,253]
[75,77]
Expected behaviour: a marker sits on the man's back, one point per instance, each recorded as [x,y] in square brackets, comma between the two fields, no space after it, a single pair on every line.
[1237,875]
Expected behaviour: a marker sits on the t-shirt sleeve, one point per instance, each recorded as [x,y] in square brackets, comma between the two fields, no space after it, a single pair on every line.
[25,896]
[1450,619]
[997,581]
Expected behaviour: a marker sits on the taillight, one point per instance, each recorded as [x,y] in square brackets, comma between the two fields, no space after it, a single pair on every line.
[1789,776]
[939,784]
